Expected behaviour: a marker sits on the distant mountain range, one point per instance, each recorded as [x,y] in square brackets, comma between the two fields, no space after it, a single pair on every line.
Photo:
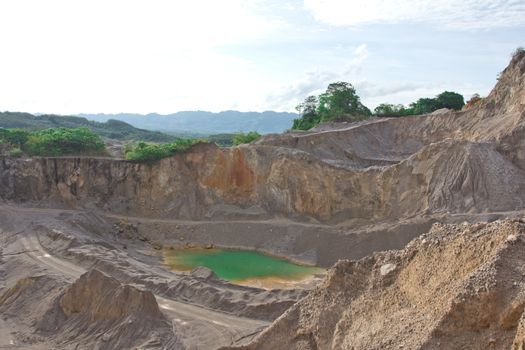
[205,123]
[113,129]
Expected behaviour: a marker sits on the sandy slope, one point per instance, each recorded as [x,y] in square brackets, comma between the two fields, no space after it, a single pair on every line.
[193,324]
[457,287]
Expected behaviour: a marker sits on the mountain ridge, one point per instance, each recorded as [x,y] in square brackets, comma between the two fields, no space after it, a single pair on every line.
[112,129]
[204,122]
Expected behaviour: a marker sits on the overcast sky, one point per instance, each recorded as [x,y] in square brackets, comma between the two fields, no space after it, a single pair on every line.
[110,56]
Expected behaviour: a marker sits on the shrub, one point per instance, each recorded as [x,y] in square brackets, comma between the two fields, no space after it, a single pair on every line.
[390,110]
[16,152]
[446,99]
[64,141]
[52,142]
[305,123]
[241,138]
[16,137]
[150,152]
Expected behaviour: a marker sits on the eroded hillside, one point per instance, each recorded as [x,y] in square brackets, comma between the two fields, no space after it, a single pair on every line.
[456,162]
[456,287]
[83,239]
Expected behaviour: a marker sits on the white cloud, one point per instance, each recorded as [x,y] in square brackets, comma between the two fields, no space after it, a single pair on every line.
[372,93]
[315,81]
[69,56]
[450,14]
[405,92]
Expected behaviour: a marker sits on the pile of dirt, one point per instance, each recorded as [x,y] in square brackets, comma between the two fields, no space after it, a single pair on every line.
[457,287]
[95,312]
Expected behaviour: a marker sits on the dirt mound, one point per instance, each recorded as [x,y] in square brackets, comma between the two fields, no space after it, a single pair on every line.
[95,312]
[18,300]
[100,312]
[457,287]
[453,177]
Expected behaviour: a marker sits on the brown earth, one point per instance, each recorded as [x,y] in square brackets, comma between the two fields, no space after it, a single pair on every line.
[95,312]
[468,161]
[456,287]
[340,191]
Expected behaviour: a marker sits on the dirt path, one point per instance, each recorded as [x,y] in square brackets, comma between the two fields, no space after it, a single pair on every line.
[200,327]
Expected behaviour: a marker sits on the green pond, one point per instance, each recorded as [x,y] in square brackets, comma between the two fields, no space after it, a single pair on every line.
[238,265]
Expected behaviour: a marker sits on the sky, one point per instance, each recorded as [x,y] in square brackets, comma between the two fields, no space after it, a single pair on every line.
[164,56]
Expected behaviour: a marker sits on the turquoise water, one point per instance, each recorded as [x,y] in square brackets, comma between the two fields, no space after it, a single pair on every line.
[238,265]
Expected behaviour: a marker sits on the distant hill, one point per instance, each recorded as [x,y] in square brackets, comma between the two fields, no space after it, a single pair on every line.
[206,123]
[114,129]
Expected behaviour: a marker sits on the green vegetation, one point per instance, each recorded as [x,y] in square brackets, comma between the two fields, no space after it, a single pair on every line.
[222,140]
[113,129]
[16,152]
[15,137]
[64,141]
[52,142]
[446,99]
[339,102]
[390,110]
[150,152]
[241,138]
[309,116]
[450,100]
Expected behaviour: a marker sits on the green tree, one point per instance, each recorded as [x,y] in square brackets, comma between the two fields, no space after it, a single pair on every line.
[425,105]
[389,110]
[309,117]
[339,102]
[450,100]
[16,137]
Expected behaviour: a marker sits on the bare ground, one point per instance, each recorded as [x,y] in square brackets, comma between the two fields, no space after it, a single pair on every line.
[81,238]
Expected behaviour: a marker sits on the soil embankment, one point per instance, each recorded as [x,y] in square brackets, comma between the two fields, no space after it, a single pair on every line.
[411,299]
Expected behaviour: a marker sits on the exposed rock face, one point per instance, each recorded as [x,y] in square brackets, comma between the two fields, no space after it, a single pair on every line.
[457,287]
[95,312]
[469,161]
